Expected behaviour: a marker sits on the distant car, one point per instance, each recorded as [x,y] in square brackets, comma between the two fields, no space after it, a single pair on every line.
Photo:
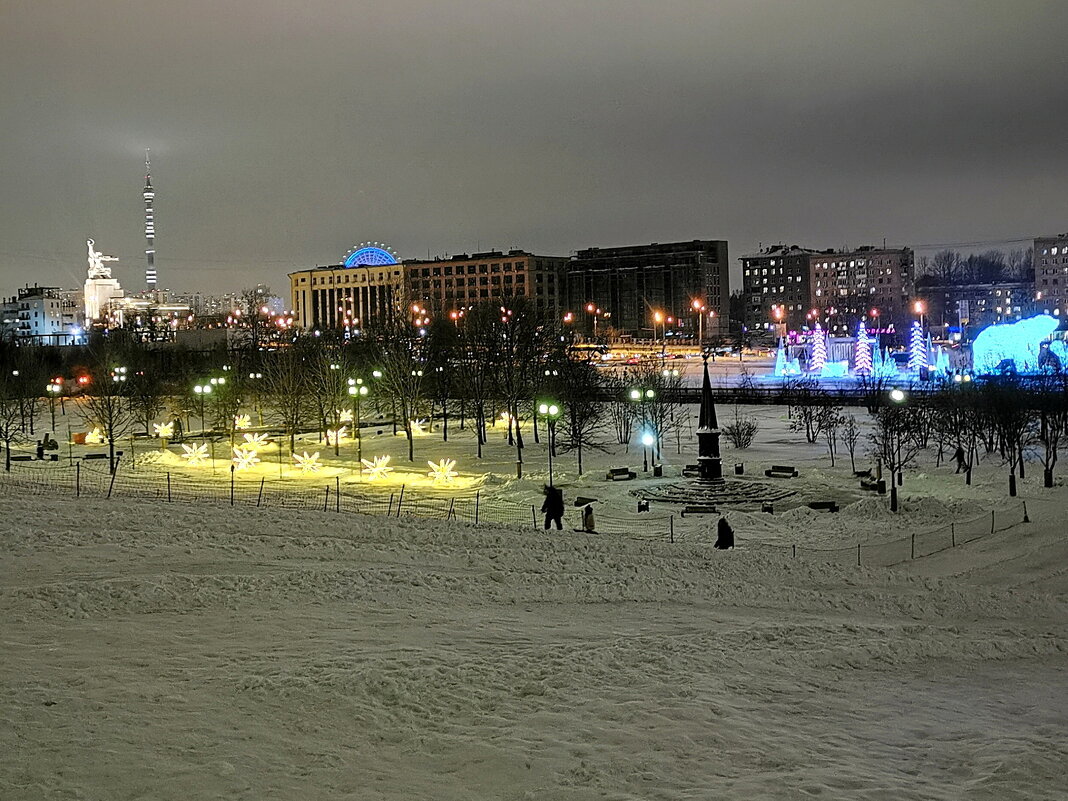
[633,360]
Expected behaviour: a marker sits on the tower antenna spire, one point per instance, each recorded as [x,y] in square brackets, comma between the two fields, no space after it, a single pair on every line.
[149,195]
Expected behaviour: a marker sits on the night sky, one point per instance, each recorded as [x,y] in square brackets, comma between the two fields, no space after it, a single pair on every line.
[283,133]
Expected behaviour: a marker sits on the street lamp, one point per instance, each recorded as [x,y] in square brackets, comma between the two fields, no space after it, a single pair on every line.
[551,412]
[647,440]
[897,395]
[641,395]
[54,389]
[202,390]
[357,389]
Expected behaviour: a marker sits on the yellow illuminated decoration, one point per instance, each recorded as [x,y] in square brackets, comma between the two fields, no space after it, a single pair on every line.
[244,458]
[255,441]
[442,472]
[419,426]
[306,463]
[242,421]
[94,437]
[163,430]
[195,454]
[377,469]
[335,437]
[345,415]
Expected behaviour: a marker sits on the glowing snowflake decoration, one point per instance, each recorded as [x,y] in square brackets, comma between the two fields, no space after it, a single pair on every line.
[443,472]
[242,421]
[306,463]
[334,437]
[345,415]
[377,469]
[94,437]
[419,426]
[195,454]
[244,458]
[163,430]
[254,441]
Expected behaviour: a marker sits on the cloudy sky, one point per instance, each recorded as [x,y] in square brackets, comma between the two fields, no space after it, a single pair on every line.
[283,133]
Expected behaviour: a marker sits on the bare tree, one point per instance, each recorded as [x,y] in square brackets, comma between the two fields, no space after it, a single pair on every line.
[10,428]
[287,389]
[578,387]
[851,436]
[742,430]
[107,407]
[893,444]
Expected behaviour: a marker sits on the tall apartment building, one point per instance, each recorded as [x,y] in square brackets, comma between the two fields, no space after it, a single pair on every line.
[777,287]
[1050,261]
[40,315]
[627,287]
[358,295]
[877,283]
[972,307]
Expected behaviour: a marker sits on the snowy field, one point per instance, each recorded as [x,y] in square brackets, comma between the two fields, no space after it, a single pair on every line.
[179,651]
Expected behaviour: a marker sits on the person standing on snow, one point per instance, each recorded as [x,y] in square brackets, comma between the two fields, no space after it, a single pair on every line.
[553,506]
[724,535]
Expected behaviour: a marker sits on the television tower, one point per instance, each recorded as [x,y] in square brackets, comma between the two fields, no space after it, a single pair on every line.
[150,227]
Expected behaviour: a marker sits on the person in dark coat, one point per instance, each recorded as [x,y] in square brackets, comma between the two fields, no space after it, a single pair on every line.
[958,455]
[553,506]
[724,535]
[587,519]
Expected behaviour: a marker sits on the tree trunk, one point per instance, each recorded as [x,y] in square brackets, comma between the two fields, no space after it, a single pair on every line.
[1047,477]
[1021,463]
[893,495]
[1012,484]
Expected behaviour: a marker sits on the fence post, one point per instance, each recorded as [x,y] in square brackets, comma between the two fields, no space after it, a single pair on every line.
[1026,519]
[476,506]
[259,496]
[78,480]
[452,504]
[400,500]
[953,535]
[337,494]
[168,486]
[858,554]
[232,468]
[115,472]
[991,521]
[912,552]
[534,516]
[326,499]
[389,511]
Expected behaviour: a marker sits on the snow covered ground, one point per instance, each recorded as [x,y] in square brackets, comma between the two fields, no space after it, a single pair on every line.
[157,650]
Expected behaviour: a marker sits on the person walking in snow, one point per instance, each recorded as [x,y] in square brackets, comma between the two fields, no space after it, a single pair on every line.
[724,535]
[958,456]
[553,506]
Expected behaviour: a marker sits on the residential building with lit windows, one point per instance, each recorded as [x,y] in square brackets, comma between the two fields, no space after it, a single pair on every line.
[1050,260]
[871,282]
[371,284]
[40,315]
[777,287]
[972,307]
[624,289]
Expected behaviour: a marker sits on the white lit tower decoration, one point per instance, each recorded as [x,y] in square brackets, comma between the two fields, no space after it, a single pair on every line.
[819,350]
[917,348]
[149,195]
[862,356]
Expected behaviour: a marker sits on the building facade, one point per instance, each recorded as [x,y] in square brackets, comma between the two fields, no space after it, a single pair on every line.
[40,315]
[1050,261]
[972,307]
[777,287]
[876,283]
[641,290]
[355,296]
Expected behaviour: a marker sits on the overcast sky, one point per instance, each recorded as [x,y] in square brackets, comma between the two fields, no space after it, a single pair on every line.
[283,133]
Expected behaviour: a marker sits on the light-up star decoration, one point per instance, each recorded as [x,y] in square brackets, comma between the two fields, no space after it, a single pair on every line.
[334,437]
[242,421]
[442,472]
[306,463]
[244,458]
[195,454]
[163,430]
[255,441]
[94,437]
[345,416]
[378,468]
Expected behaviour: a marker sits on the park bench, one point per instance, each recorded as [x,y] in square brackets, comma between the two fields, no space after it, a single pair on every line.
[691,471]
[862,473]
[698,509]
[873,485]
[21,457]
[781,471]
[620,474]
[819,506]
[100,455]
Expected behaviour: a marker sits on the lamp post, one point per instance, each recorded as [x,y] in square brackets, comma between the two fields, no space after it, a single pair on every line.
[641,396]
[357,389]
[647,440]
[551,412]
[54,389]
[202,390]
[699,307]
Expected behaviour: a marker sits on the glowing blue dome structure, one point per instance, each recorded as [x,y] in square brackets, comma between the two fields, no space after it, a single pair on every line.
[372,254]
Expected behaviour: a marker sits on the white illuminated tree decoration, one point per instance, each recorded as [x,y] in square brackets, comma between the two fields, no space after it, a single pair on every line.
[306,463]
[378,468]
[442,472]
[195,454]
[335,437]
[244,458]
[255,441]
[94,437]
[242,421]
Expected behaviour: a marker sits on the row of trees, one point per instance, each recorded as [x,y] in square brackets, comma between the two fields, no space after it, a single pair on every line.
[949,267]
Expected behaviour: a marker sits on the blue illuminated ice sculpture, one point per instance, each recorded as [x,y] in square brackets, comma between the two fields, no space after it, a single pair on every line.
[1012,346]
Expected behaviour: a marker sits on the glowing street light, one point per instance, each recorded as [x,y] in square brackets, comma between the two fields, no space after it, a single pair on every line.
[898,395]
[201,391]
[551,412]
[647,440]
[357,390]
